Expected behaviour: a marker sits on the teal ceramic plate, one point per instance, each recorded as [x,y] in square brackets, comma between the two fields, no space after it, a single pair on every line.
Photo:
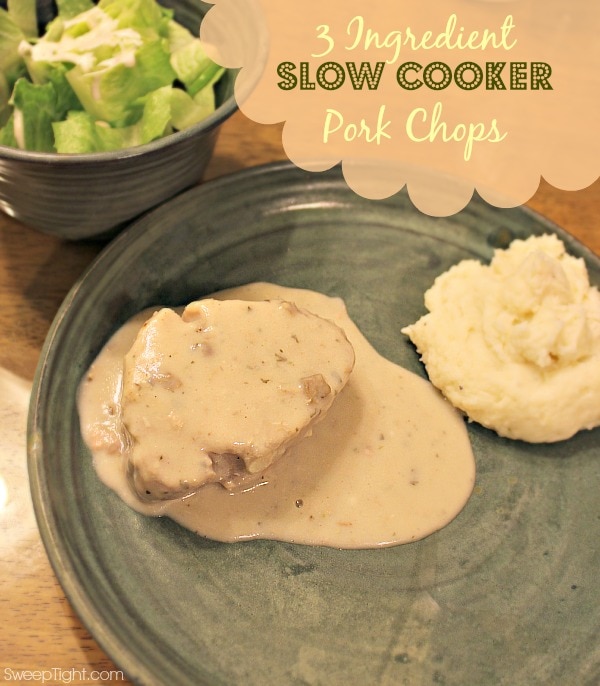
[507,594]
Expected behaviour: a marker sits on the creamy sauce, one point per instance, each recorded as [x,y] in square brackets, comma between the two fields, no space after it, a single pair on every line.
[390,463]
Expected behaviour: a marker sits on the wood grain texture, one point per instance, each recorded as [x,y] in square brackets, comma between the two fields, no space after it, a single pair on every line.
[38,629]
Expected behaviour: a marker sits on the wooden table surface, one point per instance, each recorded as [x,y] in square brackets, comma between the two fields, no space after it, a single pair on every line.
[38,628]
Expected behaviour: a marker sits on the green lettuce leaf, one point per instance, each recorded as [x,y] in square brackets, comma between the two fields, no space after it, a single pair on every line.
[7,133]
[187,111]
[76,134]
[178,36]
[5,106]
[55,73]
[11,62]
[107,93]
[81,133]
[67,9]
[24,14]
[34,111]
[156,117]
[193,67]
[139,14]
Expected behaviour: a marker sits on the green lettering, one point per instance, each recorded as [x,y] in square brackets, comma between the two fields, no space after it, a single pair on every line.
[401,76]
[475,82]
[540,73]
[340,75]
[284,70]
[518,76]
[430,69]
[493,80]
[305,83]
[365,73]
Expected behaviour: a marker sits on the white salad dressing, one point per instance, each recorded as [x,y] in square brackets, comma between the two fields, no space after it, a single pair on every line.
[19,128]
[103,32]
[390,463]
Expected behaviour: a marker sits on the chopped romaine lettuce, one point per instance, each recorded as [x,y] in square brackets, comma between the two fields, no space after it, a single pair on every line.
[76,134]
[193,67]
[81,133]
[178,36]
[187,111]
[67,9]
[11,36]
[56,74]
[138,14]
[103,76]
[24,14]
[35,108]
[7,133]
[108,91]
[5,107]
[157,114]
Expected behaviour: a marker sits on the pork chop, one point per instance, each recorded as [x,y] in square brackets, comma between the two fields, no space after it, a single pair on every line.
[220,392]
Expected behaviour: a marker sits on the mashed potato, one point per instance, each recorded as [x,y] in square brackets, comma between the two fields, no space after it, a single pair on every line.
[516,344]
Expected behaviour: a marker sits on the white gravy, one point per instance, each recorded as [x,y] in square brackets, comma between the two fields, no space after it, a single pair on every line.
[390,463]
